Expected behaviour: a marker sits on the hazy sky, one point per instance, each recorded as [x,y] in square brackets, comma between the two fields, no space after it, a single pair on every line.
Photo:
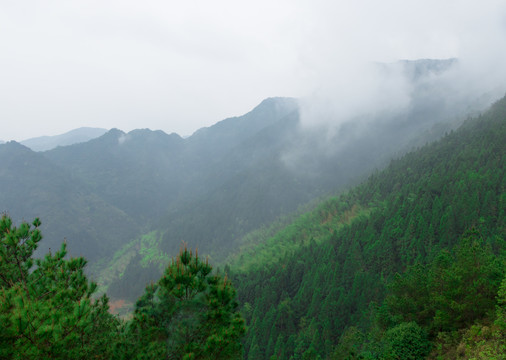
[181,65]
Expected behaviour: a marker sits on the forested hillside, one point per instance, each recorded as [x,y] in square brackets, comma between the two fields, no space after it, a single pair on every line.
[409,265]
[33,186]
[282,166]
[436,217]
[225,180]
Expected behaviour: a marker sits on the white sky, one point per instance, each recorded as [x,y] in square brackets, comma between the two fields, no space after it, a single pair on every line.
[181,65]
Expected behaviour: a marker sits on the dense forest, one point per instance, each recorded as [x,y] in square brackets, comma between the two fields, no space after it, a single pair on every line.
[417,252]
[410,264]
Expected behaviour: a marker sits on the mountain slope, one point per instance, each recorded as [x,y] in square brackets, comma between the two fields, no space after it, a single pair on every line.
[212,188]
[138,172]
[33,187]
[282,166]
[307,284]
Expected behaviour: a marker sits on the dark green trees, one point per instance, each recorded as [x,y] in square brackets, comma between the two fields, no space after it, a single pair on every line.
[406,341]
[189,314]
[47,312]
[452,292]
[410,216]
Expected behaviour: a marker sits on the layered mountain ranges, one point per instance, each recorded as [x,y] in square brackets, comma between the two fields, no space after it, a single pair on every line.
[121,197]
[44,143]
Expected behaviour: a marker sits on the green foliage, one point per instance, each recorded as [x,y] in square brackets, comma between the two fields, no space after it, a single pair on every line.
[150,251]
[350,345]
[317,287]
[486,341]
[501,306]
[307,229]
[465,291]
[48,312]
[134,266]
[17,247]
[406,341]
[125,288]
[188,314]
[479,342]
[452,292]
[327,275]
[409,296]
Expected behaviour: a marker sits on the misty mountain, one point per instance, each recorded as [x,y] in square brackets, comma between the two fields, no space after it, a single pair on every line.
[419,69]
[285,165]
[210,150]
[119,181]
[333,271]
[212,188]
[253,188]
[138,172]
[33,186]
[83,134]
[229,133]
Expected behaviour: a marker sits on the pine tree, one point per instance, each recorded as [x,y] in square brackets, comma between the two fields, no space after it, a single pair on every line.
[48,312]
[189,314]
[464,289]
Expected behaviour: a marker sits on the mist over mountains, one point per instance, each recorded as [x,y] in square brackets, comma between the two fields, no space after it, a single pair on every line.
[211,188]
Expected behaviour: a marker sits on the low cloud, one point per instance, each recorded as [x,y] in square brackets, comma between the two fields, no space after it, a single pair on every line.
[123,138]
[354,93]
[339,56]
[178,66]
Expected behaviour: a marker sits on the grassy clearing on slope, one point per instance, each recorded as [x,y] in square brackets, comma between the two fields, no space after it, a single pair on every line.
[312,226]
[147,246]
[150,250]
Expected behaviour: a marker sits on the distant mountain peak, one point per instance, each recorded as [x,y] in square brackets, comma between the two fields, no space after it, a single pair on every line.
[82,134]
[114,131]
[270,108]
[13,144]
[277,100]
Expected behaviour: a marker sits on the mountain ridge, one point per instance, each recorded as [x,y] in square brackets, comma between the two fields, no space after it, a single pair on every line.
[225,180]
[79,135]
[67,207]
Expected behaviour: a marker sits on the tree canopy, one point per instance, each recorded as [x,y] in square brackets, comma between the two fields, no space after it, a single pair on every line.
[46,305]
[48,309]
